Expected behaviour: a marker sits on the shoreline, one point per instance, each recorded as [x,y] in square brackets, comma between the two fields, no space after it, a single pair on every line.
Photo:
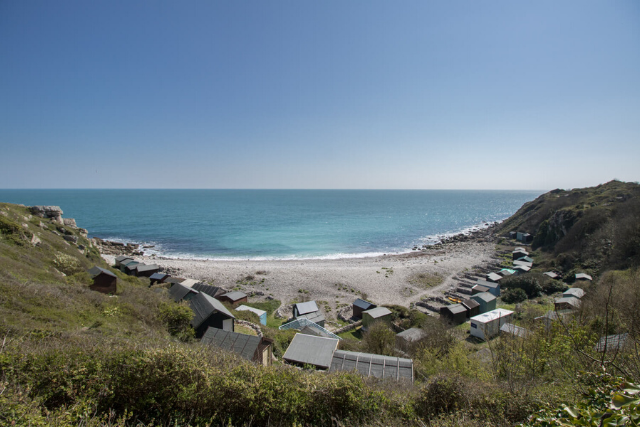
[336,283]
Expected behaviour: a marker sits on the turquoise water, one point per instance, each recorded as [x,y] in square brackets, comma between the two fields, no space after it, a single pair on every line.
[223,224]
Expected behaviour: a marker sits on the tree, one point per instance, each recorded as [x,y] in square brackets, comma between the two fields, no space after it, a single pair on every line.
[379,339]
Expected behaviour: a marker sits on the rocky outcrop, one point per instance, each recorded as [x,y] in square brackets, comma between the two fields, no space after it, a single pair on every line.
[52,212]
[69,222]
[116,248]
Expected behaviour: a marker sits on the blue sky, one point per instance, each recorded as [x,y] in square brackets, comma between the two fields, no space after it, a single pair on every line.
[331,94]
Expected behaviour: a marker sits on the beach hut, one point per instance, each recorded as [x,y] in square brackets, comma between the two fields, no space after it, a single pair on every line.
[551,275]
[235,297]
[158,278]
[262,315]
[478,289]
[551,316]
[177,292]
[506,272]
[487,325]
[120,259]
[306,326]
[311,350]
[520,263]
[486,301]
[173,280]
[494,277]
[573,293]
[524,237]
[521,269]
[519,253]
[472,306]
[129,267]
[406,340]
[373,365]
[250,347]
[146,270]
[513,234]
[369,317]
[104,281]
[565,303]
[494,288]
[309,310]
[361,305]
[454,314]
[209,312]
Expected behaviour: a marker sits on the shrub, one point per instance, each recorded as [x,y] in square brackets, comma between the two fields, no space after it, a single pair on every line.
[379,339]
[553,286]
[529,284]
[514,296]
[177,317]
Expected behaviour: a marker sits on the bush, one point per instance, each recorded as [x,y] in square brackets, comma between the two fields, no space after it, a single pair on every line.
[514,296]
[554,286]
[528,283]
[177,317]
[379,339]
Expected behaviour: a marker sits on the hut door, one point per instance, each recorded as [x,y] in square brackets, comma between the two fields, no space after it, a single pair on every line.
[227,325]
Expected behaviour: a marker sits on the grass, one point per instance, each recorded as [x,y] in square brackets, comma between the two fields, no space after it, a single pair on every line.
[426,280]
[244,330]
[353,334]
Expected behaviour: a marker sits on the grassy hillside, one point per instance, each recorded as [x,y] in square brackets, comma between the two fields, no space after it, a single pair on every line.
[593,229]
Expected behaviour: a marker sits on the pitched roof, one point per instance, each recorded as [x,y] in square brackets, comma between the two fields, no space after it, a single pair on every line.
[204,306]
[522,268]
[121,258]
[235,296]
[480,288]
[574,302]
[454,308]
[316,317]
[95,271]
[365,305]
[372,365]
[178,292]
[507,272]
[470,304]
[129,261]
[308,349]
[145,267]
[251,309]
[484,296]
[213,291]
[242,344]
[188,283]
[306,307]
[573,292]
[518,263]
[487,284]
[377,312]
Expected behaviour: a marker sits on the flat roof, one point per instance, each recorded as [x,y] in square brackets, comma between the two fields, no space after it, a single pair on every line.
[306,307]
[494,276]
[377,312]
[312,350]
[492,315]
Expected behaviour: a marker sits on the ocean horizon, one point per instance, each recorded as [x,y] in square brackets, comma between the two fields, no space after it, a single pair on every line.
[277,224]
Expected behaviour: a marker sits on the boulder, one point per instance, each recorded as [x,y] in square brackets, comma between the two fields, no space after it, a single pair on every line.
[70,222]
[35,241]
[52,212]
[71,238]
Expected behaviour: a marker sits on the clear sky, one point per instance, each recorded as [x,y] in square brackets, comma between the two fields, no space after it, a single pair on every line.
[319,94]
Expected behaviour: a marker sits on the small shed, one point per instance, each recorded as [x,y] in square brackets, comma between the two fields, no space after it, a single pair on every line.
[373,365]
[573,293]
[304,308]
[209,312]
[519,253]
[405,340]
[178,292]
[521,269]
[565,303]
[250,347]
[173,280]
[316,317]
[104,281]
[524,237]
[158,278]
[146,270]
[311,350]
[478,289]
[526,259]
[472,306]
[551,316]
[369,317]
[520,263]
[494,288]
[506,272]
[212,291]
[510,329]
[120,259]
[261,313]
[551,275]
[306,326]
[486,300]
[361,305]
[455,314]
[513,234]
[488,324]
[129,267]
[494,277]
[235,297]
[583,276]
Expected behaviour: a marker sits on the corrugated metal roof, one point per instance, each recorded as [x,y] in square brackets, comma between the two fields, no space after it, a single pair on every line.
[204,306]
[365,305]
[375,365]
[242,344]
[377,312]
[95,271]
[308,349]
[235,296]
[306,307]
[213,291]
[178,292]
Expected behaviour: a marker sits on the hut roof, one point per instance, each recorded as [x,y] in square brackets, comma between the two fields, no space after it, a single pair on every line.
[522,263]
[242,344]
[512,329]
[147,267]
[251,309]
[178,292]
[573,292]
[158,276]
[485,296]
[315,317]
[306,307]
[454,308]
[96,271]
[491,315]
[412,334]
[204,306]
[470,304]
[486,284]
[312,350]
[372,365]
[302,323]
[121,258]
[377,312]
[480,288]
[213,291]
[574,302]
[551,274]
[612,342]
[235,295]
[583,276]
[174,280]
[494,277]
[365,305]
[522,268]
[188,283]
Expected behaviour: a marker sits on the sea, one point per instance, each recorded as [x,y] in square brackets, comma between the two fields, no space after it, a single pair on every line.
[277,224]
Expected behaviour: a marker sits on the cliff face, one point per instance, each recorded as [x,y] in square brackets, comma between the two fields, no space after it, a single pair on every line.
[596,228]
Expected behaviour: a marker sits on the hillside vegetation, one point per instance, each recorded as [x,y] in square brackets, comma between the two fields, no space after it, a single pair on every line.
[72,356]
[594,229]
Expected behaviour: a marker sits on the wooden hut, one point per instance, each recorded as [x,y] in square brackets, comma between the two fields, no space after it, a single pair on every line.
[369,317]
[360,306]
[250,347]
[209,312]
[235,297]
[104,281]
[454,314]
[472,306]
